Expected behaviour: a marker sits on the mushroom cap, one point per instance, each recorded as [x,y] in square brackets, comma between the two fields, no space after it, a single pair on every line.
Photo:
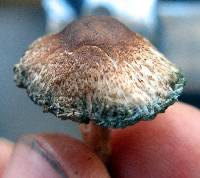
[97,69]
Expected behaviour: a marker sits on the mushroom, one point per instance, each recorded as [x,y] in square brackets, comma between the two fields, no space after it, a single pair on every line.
[101,74]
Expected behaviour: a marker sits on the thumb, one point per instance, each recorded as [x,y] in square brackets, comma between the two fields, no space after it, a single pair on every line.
[53,156]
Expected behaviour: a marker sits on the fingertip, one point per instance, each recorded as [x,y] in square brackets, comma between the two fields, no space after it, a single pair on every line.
[54,155]
[180,109]
[75,156]
[168,145]
[6,148]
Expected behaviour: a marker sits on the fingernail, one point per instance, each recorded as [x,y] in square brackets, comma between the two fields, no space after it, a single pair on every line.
[31,160]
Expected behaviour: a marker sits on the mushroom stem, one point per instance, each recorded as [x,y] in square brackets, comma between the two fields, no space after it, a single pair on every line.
[98,139]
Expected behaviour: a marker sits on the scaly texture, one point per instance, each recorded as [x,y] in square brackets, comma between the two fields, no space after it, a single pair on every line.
[96,68]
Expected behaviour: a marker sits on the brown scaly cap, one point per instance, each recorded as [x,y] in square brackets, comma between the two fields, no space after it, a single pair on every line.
[97,69]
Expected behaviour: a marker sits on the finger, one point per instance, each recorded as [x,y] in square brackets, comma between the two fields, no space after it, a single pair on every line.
[6,148]
[165,147]
[52,156]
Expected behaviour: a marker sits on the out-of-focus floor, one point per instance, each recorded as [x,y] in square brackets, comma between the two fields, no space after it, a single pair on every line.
[18,115]
[179,41]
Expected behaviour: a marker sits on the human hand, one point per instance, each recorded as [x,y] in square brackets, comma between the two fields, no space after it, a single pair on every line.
[165,147]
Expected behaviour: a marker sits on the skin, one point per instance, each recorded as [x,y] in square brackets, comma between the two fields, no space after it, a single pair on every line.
[6,148]
[165,147]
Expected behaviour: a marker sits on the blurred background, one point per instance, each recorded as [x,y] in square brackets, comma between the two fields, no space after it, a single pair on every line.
[173,27]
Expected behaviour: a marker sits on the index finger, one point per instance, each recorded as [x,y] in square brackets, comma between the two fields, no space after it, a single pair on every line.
[6,148]
[165,147]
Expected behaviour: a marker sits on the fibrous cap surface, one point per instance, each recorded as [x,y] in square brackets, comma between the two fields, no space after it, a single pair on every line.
[96,68]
